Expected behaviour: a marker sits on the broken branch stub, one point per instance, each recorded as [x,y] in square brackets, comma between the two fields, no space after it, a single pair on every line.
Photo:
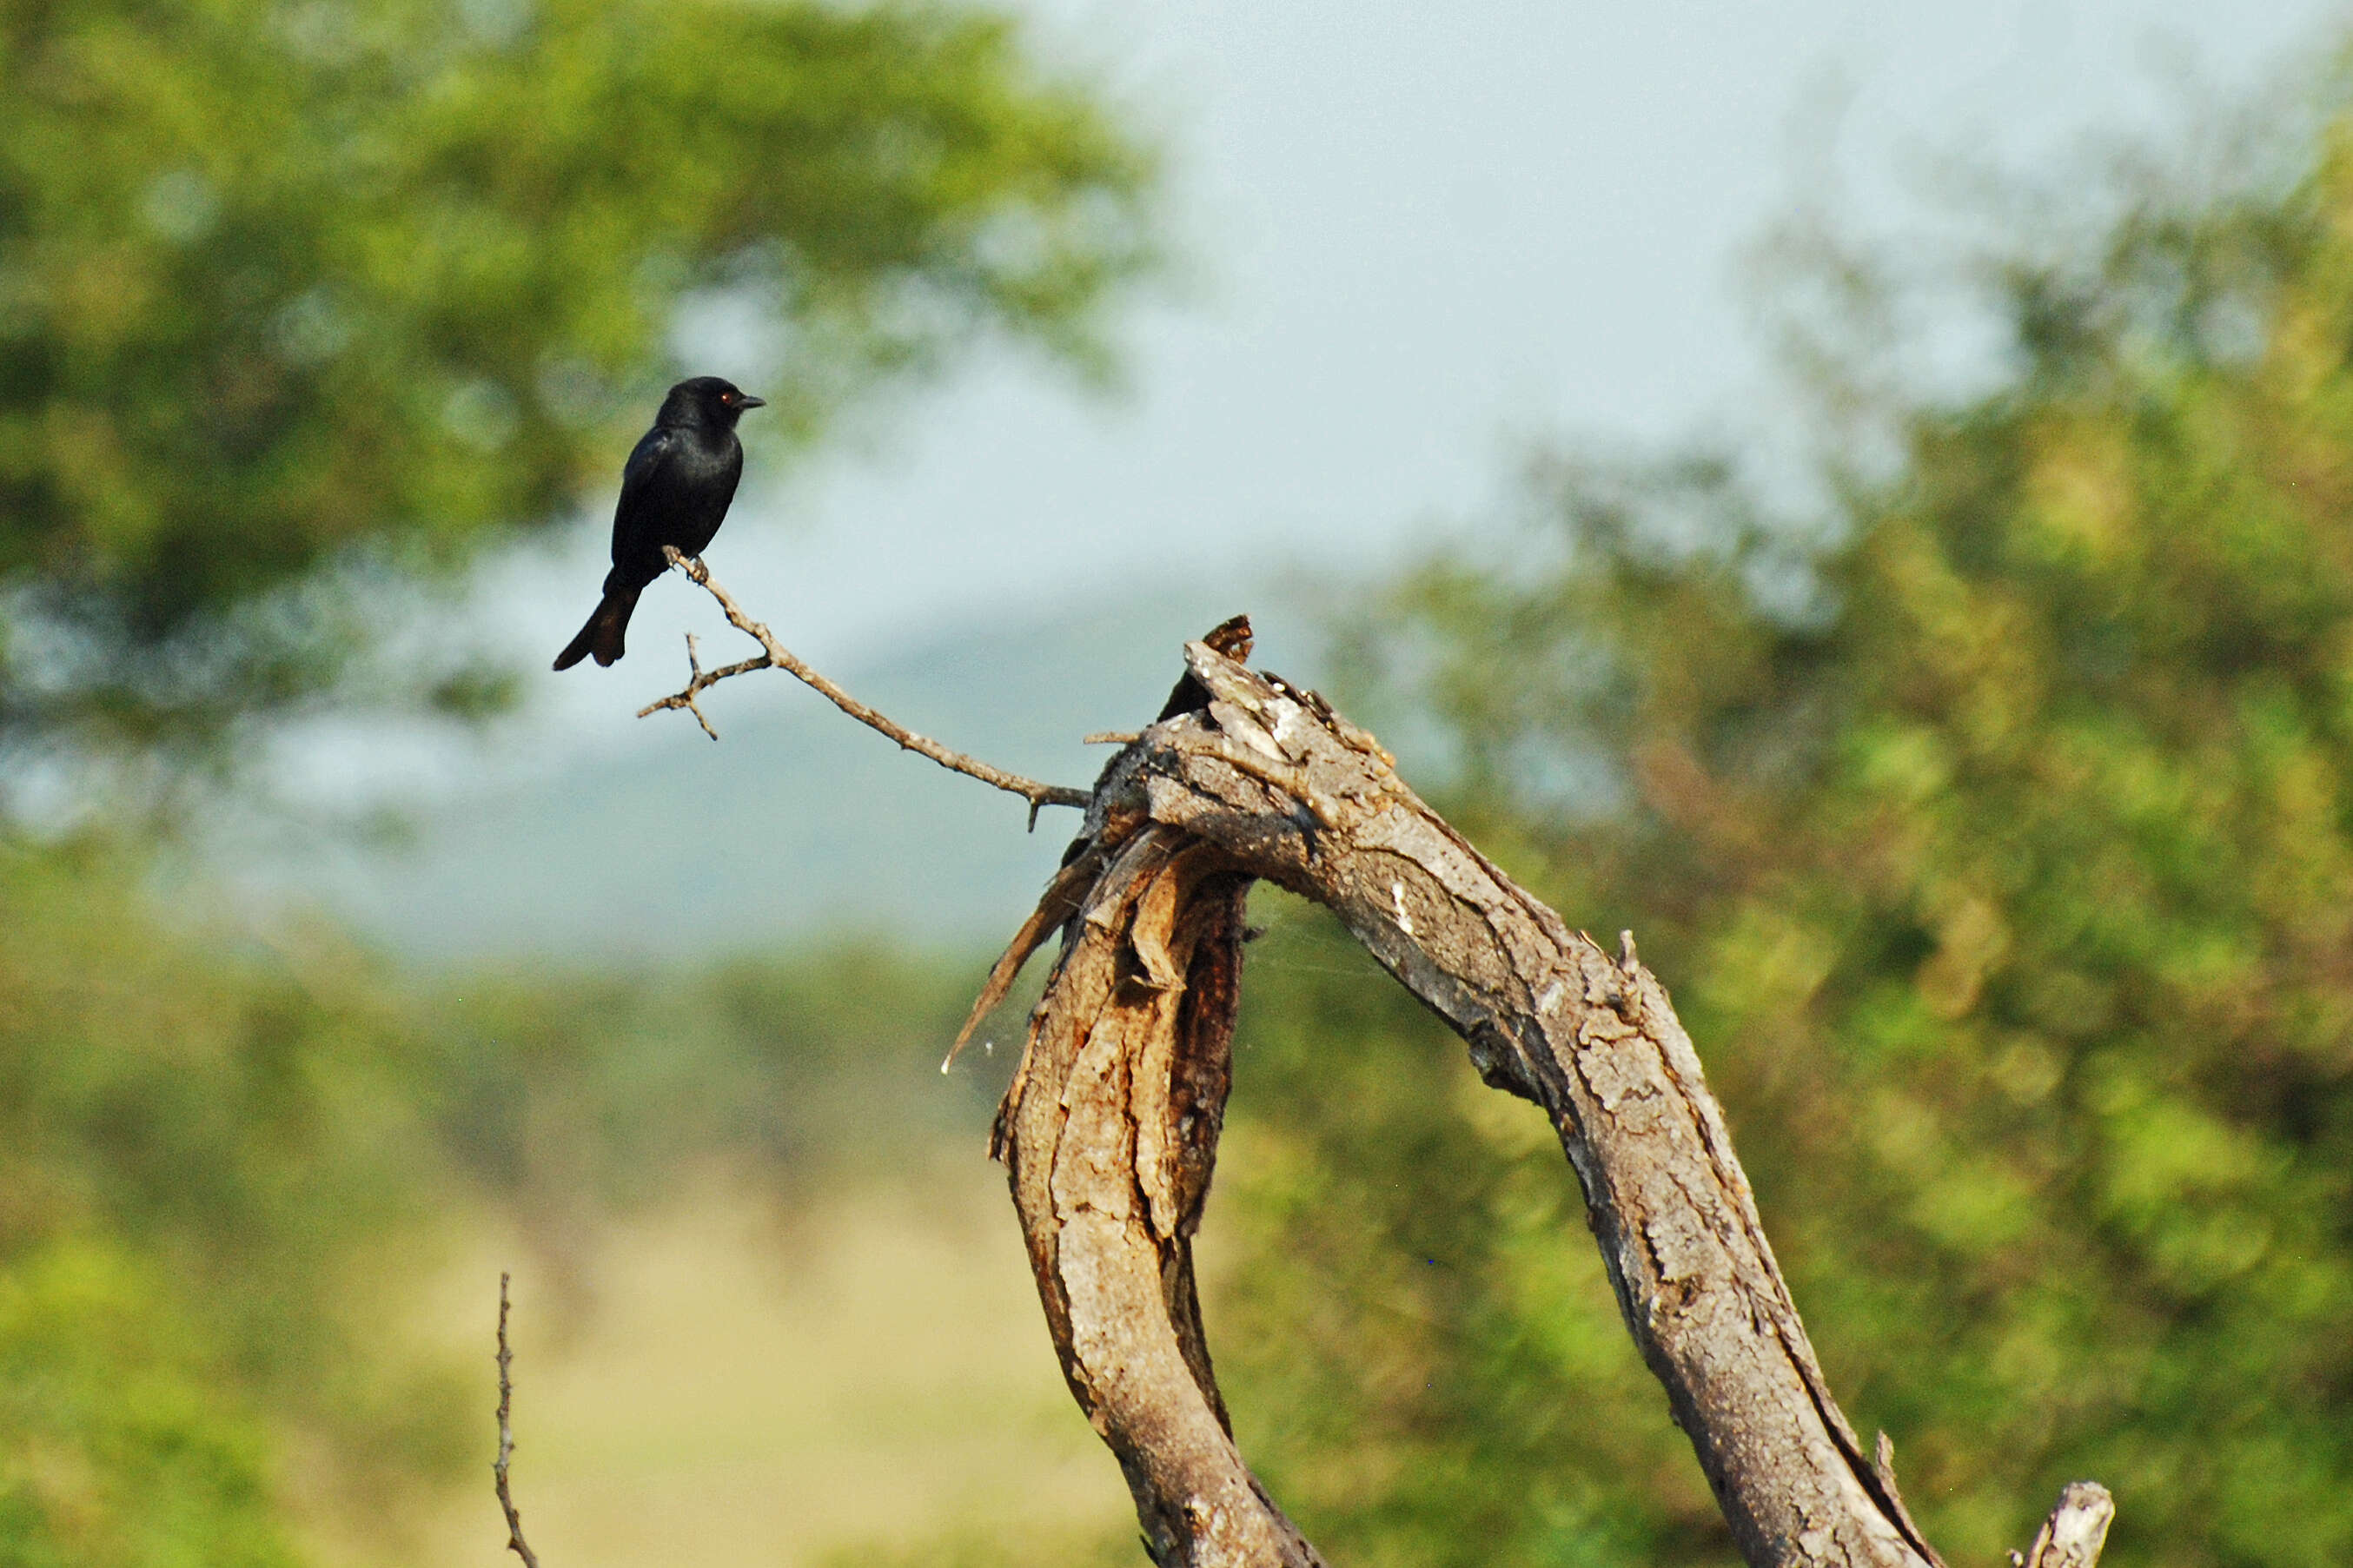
[1109,1130]
[1108,1135]
[2076,1531]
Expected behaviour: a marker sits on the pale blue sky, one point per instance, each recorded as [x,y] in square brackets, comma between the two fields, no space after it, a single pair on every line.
[1416,232]
[1412,237]
[1415,237]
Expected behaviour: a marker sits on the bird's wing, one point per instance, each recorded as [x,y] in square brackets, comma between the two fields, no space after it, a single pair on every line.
[652,451]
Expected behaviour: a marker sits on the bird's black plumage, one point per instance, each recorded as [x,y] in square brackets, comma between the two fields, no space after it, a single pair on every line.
[674,491]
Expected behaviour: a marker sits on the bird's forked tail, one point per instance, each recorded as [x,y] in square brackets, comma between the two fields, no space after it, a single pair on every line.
[603,635]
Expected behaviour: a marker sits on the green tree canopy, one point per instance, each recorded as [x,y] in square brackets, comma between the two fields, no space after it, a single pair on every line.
[212,1161]
[300,299]
[302,303]
[1994,827]
[230,1171]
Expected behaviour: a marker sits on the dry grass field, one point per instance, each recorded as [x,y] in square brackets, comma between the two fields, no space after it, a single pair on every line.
[861,1380]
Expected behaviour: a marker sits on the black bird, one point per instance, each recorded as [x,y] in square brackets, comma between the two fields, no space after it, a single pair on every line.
[674,491]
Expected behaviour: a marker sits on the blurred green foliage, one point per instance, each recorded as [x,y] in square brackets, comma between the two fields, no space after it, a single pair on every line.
[302,301]
[1993,827]
[207,1155]
[1992,820]
[120,1445]
[226,1169]
[583,1090]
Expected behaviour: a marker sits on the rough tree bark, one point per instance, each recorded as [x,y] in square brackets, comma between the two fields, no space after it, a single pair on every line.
[1109,1130]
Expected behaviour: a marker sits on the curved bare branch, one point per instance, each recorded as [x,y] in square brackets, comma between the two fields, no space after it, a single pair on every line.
[774,654]
[1109,1130]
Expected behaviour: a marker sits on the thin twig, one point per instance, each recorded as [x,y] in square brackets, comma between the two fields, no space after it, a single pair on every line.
[694,669]
[775,655]
[515,1541]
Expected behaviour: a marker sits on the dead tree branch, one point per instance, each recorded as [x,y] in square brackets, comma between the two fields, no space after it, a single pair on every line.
[515,1541]
[774,654]
[1109,1130]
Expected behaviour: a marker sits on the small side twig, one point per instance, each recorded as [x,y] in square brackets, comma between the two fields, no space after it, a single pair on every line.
[694,670]
[515,1541]
[774,654]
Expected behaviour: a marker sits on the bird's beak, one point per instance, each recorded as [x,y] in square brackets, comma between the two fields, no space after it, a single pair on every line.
[748,401]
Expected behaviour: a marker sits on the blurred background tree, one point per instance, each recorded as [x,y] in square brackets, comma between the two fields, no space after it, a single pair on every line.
[211,1160]
[1986,805]
[301,305]
[1992,821]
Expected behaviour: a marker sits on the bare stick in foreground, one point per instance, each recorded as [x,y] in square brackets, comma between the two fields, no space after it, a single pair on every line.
[515,1541]
[774,654]
[1109,1130]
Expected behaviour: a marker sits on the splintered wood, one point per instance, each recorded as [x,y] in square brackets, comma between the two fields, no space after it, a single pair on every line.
[1108,1131]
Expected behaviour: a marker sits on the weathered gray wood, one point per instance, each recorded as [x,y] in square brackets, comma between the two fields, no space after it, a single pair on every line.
[2076,1533]
[1109,1130]
[1108,1133]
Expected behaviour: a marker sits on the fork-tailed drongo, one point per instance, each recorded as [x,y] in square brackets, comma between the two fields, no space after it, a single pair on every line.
[674,491]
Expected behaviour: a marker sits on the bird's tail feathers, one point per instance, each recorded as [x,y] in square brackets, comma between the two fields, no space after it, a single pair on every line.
[603,636]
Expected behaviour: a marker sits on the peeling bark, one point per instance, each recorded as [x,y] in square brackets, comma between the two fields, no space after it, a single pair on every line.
[1109,1134]
[1109,1130]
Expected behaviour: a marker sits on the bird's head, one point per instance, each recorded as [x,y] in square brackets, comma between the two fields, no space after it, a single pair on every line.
[707,400]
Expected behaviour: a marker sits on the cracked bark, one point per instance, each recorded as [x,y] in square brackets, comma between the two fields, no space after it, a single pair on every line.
[1109,1130]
